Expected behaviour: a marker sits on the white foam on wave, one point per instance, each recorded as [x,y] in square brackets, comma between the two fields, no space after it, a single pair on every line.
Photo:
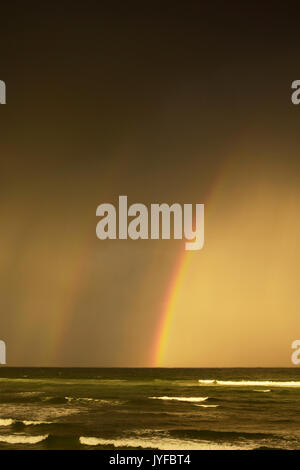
[208,381]
[158,443]
[49,413]
[21,439]
[29,394]
[69,399]
[34,423]
[208,406]
[255,383]
[185,399]
[93,400]
[6,422]
[10,421]
[262,391]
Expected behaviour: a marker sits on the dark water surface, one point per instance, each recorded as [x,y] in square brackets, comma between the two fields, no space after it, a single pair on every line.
[49,408]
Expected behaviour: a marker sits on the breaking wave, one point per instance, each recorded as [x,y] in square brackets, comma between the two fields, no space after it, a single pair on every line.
[11,421]
[93,400]
[157,443]
[34,423]
[6,422]
[20,439]
[208,406]
[255,383]
[184,399]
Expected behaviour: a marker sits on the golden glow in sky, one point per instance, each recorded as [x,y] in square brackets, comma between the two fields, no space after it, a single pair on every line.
[236,303]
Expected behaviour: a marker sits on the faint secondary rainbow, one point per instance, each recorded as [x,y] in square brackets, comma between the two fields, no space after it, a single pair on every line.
[76,282]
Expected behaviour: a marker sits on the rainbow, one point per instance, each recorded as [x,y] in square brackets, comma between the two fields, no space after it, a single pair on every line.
[79,277]
[179,275]
[169,304]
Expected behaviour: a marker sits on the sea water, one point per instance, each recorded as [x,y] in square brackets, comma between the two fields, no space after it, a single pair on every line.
[167,409]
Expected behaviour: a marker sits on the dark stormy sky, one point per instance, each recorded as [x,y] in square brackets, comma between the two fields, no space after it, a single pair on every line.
[163,102]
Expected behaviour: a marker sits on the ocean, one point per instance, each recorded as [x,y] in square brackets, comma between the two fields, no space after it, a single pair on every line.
[167,409]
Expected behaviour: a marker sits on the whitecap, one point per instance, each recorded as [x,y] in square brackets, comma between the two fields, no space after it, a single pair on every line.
[159,443]
[208,381]
[185,399]
[93,400]
[21,439]
[255,383]
[34,423]
[6,422]
[208,406]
